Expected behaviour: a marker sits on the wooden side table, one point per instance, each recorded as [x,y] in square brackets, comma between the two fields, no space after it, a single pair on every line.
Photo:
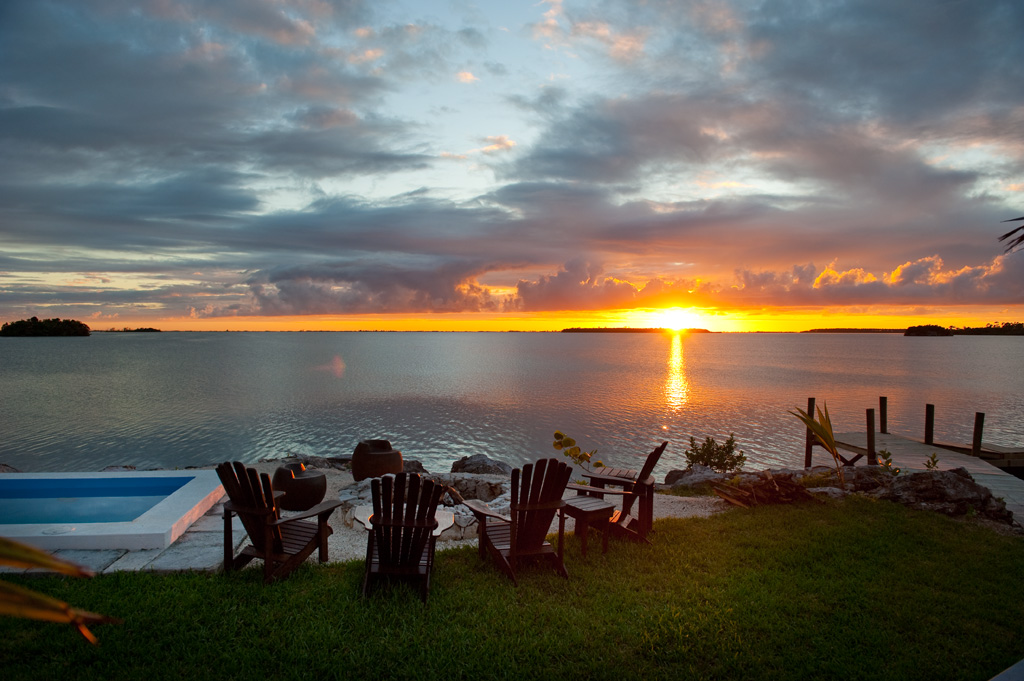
[587,511]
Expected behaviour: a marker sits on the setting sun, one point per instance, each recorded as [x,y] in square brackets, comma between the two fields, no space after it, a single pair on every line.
[676,318]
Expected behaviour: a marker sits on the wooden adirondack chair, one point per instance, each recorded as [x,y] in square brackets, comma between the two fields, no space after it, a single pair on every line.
[536,497]
[282,543]
[637,491]
[400,543]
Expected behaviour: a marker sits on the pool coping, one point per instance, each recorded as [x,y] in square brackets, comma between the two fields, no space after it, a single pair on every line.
[157,528]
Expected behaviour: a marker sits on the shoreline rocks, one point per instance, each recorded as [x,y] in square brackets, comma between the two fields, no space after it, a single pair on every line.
[952,492]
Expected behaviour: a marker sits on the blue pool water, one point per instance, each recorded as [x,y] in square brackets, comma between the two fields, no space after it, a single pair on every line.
[85,500]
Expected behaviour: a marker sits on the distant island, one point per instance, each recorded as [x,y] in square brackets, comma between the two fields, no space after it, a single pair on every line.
[44,327]
[141,329]
[1003,329]
[928,330]
[624,329]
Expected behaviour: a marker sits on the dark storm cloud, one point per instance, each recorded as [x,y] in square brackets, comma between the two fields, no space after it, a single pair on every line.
[331,288]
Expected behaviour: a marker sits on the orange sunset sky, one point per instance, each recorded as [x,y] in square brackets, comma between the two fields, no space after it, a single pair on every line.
[398,165]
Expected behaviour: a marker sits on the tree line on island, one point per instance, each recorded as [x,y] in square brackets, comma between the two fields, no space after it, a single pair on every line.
[55,327]
[45,327]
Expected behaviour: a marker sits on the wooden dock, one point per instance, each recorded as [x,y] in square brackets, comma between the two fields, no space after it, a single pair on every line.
[910,455]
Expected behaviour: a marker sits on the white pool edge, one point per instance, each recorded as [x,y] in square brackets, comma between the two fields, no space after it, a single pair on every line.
[157,528]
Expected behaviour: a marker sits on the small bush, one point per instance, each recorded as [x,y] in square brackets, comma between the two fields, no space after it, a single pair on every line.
[721,458]
[885,461]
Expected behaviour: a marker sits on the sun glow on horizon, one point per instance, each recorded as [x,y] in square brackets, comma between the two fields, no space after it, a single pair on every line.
[770,320]
[674,318]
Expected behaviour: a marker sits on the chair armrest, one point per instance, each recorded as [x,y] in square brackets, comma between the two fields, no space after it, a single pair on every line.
[325,508]
[247,510]
[546,506]
[483,511]
[599,490]
[608,479]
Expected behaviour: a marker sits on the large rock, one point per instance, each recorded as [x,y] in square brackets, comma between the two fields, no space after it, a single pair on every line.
[694,476]
[953,492]
[480,464]
[865,478]
[413,466]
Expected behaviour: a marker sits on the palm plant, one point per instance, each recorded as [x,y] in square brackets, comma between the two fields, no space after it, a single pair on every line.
[822,429]
[1015,241]
[16,601]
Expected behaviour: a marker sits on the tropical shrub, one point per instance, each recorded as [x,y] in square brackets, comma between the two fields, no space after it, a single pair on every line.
[822,429]
[721,458]
[569,448]
[885,461]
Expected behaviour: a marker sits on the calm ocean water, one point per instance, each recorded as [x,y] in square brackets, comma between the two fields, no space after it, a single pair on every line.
[171,400]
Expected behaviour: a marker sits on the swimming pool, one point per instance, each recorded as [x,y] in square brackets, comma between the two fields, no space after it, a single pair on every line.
[130,510]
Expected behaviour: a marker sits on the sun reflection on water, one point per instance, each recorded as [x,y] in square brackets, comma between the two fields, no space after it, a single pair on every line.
[677,388]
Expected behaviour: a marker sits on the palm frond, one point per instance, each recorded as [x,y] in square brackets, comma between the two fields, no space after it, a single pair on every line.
[1016,241]
[16,601]
[822,430]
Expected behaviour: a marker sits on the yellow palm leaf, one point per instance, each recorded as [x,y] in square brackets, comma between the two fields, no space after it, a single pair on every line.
[16,601]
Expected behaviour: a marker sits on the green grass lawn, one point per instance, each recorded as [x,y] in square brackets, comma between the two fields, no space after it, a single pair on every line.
[851,590]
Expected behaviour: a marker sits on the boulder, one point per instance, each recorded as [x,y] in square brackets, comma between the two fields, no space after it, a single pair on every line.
[413,466]
[694,476]
[953,492]
[865,478]
[830,492]
[481,464]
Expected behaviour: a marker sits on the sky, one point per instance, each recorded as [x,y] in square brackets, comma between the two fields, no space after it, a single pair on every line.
[429,165]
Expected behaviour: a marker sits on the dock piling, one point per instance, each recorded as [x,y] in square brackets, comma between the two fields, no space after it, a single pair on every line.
[979,426]
[872,458]
[809,444]
[883,415]
[929,424]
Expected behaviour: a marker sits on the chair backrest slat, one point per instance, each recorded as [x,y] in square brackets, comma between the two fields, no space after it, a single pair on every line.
[404,506]
[651,462]
[253,495]
[645,472]
[542,482]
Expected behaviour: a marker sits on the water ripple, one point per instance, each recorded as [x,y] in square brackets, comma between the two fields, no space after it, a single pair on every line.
[174,400]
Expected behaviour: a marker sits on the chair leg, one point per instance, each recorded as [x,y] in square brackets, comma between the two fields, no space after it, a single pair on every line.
[229,543]
[325,532]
